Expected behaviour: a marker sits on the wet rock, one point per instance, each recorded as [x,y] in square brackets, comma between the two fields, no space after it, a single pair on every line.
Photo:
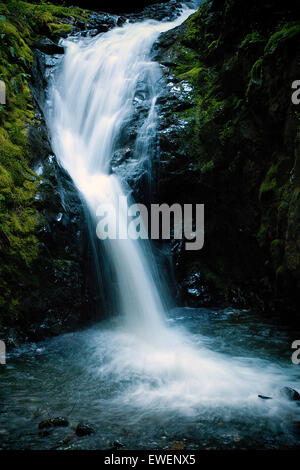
[163,11]
[197,291]
[49,47]
[90,33]
[102,21]
[118,445]
[54,422]
[45,424]
[84,429]
[103,28]
[121,20]
[198,46]
[80,24]
[120,156]
[10,336]
[263,397]
[41,71]
[290,393]
[60,422]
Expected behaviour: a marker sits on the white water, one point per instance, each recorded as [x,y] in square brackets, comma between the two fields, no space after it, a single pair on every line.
[92,97]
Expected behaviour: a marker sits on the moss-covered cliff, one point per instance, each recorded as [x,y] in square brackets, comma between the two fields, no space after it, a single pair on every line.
[30,265]
[235,147]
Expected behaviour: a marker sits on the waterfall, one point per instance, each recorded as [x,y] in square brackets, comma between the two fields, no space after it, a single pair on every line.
[92,98]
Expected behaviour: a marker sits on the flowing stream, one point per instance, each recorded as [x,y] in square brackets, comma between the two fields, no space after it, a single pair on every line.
[147,376]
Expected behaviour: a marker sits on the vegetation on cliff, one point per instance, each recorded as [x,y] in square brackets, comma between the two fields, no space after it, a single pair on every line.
[240,145]
[21,25]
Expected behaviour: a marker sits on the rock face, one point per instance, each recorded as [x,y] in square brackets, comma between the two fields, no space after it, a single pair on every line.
[49,47]
[44,254]
[230,139]
[290,393]
[58,296]
[46,260]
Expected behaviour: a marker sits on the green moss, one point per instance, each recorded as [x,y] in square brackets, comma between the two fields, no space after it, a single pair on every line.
[207,167]
[288,31]
[193,75]
[186,60]
[214,44]
[193,36]
[193,28]
[251,38]
[21,24]
[57,29]
[241,143]
[255,75]
[270,182]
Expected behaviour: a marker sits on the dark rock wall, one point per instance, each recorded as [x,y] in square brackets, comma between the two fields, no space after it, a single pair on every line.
[45,257]
[230,139]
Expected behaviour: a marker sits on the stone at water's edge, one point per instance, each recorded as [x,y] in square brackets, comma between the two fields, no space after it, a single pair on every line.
[263,397]
[290,393]
[84,429]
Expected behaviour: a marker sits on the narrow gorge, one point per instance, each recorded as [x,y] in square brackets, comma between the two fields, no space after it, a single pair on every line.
[120,340]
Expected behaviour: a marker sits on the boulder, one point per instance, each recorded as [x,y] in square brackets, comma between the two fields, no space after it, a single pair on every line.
[84,429]
[290,393]
[49,47]
[121,20]
[80,24]
[118,445]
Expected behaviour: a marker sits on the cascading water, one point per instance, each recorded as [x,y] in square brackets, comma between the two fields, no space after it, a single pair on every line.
[155,365]
[93,97]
